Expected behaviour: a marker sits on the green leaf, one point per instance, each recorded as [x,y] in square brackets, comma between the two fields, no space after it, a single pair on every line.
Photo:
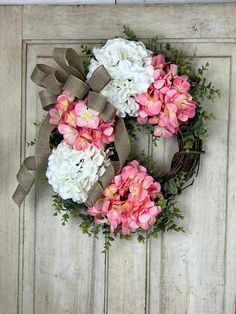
[162,202]
[129,33]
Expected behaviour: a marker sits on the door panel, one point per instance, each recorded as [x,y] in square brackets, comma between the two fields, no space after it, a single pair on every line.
[60,270]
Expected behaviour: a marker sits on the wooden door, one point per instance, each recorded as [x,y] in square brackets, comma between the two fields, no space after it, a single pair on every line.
[46,268]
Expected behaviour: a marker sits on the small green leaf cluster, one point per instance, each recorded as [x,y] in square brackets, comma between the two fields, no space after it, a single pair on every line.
[167,219]
[135,130]
[31,142]
[200,88]
[174,185]
[87,52]
[129,33]
[88,226]
[67,208]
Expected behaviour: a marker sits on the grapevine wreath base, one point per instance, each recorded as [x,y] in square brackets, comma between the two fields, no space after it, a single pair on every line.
[96,104]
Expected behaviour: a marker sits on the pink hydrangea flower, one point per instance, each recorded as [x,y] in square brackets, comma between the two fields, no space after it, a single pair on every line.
[151,103]
[128,203]
[55,116]
[80,125]
[86,117]
[82,141]
[70,134]
[70,118]
[167,103]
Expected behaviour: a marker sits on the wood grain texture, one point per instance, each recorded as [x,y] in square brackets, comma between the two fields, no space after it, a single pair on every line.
[174,1]
[230,239]
[127,266]
[76,2]
[199,21]
[191,266]
[10,82]
[61,259]
[55,2]
[63,271]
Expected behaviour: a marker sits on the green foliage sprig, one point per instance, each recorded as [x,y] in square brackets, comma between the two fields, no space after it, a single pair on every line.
[31,142]
[129,33]
[135,130]
[87,52]
[66,208]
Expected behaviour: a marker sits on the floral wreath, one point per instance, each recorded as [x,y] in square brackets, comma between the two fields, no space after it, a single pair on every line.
[96,105]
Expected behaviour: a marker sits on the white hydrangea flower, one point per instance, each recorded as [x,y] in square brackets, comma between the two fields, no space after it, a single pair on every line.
[129,65]
[72,173]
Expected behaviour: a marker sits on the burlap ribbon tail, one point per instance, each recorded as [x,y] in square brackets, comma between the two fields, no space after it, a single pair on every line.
[70,77]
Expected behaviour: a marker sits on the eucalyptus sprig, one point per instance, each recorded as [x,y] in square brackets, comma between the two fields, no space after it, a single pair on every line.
[66,208]
[129,33]
[87,52]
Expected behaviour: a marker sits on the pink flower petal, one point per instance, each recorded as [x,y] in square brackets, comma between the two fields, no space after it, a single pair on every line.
[143,114]
[142,99]
[93,123]
[142,120]
[108,131]
[144,218]
[159,84]
[70,134]
[80,107]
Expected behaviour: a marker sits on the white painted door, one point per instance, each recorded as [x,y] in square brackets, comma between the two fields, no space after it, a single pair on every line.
[46,268]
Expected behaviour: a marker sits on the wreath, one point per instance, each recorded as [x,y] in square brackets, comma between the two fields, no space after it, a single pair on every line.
[97,103]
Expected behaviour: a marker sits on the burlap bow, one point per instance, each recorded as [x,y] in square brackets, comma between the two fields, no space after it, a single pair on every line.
[71,78]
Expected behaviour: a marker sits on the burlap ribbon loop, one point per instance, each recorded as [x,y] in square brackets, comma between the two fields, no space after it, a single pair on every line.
[76,87]
[96,101]
[70,61]
[71,79]
[104,79]
[48,77]
[42,151]
[122,142]
[28,164]
[99,103]
[40,72]
[54,82]
[48,99]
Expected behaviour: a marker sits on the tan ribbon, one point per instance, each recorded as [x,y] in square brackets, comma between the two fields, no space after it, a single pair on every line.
[71,78]
[122,146]
[42,152]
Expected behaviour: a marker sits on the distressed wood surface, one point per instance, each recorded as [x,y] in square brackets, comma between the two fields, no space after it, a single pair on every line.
[76,2]
[198,21]
[10,84]
[76,264]
[58,270]
[192,264]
